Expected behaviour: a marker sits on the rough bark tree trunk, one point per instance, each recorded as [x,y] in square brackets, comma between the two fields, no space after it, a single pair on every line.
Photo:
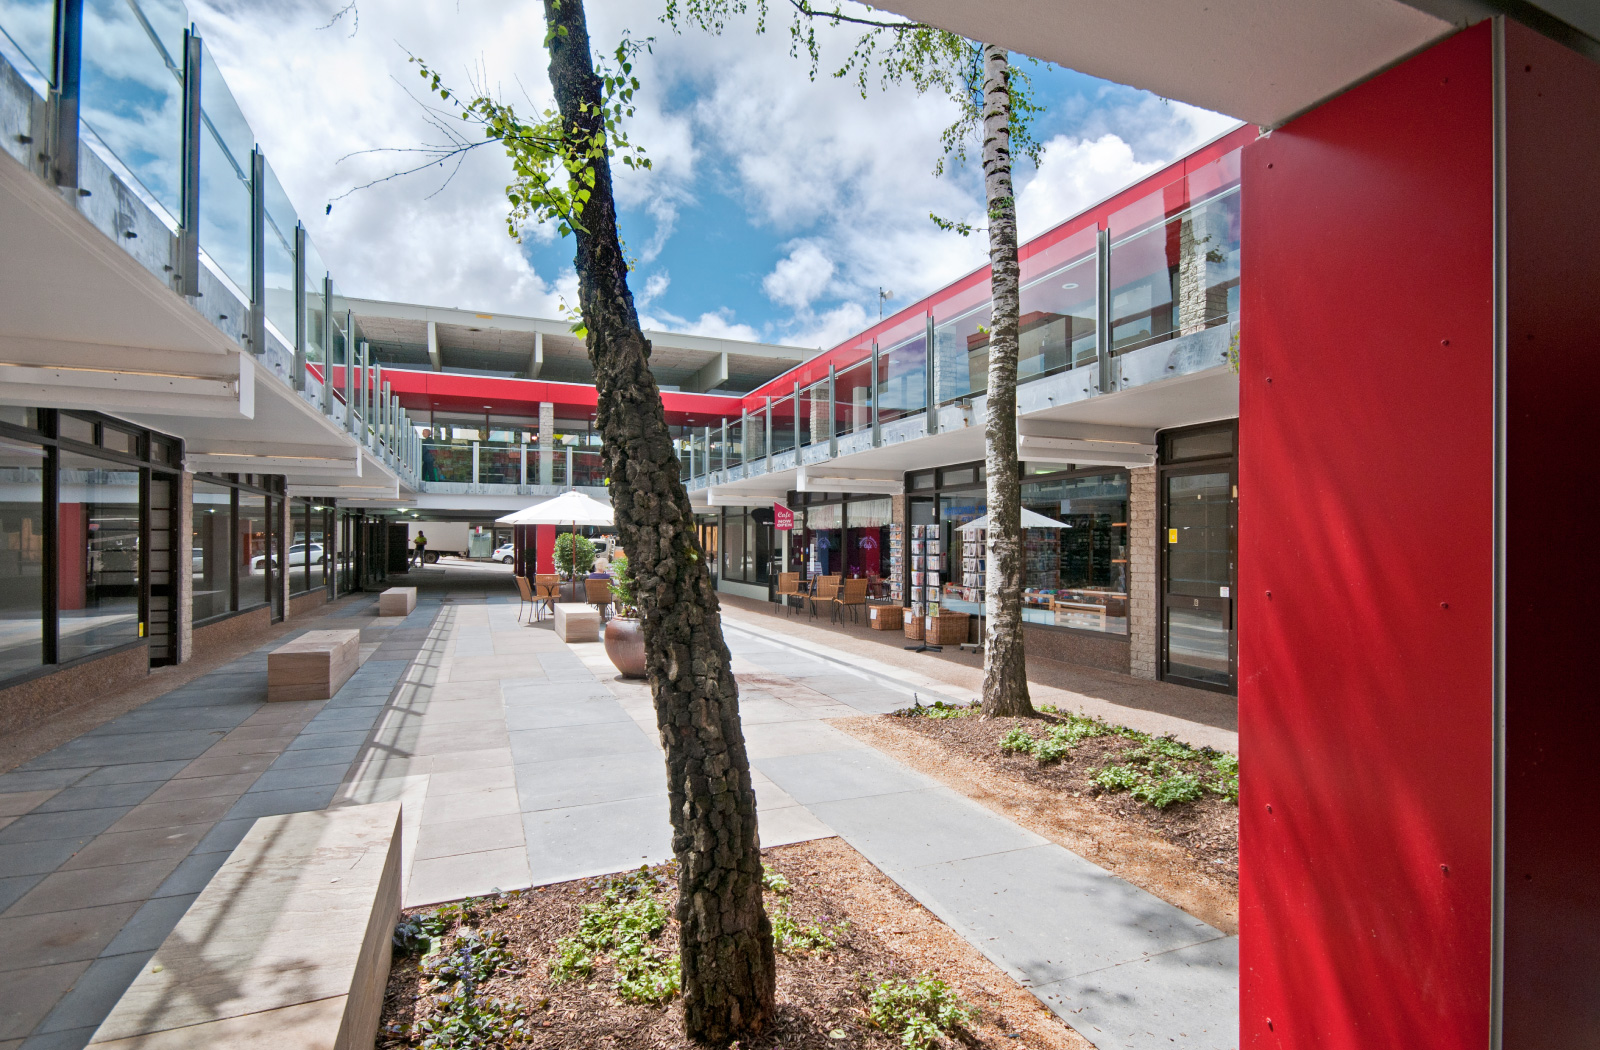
[1005,678]
[726,951]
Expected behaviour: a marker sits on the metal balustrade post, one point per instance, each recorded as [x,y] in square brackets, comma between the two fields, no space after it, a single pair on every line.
[376,405]
[523,475]
[570,485]
[258,253]
[358,396]
[327,345]
[833,412]
[930,374]
[1102,309]
[767,430]
[873,398]
[797,422]
[189,192]
[67,78]
[298,374]
[744,440]
[474,462]
[724,448]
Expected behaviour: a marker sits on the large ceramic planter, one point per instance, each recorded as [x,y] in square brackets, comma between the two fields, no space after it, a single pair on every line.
[625,645]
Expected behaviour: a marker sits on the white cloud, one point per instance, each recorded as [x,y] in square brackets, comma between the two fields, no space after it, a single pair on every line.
[718,323]
[799,278]
[845,184]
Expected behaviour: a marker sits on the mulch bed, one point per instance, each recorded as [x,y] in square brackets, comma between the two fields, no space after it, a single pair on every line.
[821,997]
[1207,828]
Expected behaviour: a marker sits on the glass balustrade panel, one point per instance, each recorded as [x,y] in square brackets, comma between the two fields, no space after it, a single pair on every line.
[30,29]
[782,424]
[131,94]
[1057,329]
[280,223]
[852,398]
[316,305]
[961,344]
[814,413]
[1175,265]
[903,369]
[225,144]
[588,469]
[499,464]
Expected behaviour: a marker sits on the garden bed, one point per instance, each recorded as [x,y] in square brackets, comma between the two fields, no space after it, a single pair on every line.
[1186,852]
[847,926]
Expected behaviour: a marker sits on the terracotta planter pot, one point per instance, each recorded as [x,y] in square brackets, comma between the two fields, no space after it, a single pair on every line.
[625,645]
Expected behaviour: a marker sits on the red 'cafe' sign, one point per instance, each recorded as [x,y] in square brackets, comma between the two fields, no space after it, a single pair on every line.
[782,516]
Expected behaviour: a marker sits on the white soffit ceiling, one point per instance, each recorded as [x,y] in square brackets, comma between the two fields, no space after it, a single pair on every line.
[1262,61]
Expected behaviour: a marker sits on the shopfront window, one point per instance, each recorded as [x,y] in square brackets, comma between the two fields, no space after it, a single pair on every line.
[22,467]
[211,556]
[867,537]
[1080,572]
[823,540]
[317,565]
[733,552]
[97,578]
[253,549]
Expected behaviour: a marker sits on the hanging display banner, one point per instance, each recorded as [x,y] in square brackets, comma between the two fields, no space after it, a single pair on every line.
[782,517]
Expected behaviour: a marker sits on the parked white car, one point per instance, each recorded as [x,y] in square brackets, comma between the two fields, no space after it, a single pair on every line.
[297,556]
[504,554]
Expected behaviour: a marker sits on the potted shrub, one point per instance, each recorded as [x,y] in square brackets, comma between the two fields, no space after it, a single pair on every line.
[624,631]
[574,555]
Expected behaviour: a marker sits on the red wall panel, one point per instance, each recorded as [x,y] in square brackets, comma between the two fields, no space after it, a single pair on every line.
[1552,916]
[1366,530]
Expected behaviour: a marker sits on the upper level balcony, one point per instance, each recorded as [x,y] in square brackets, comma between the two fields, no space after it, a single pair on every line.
[157,270]
[1129,324]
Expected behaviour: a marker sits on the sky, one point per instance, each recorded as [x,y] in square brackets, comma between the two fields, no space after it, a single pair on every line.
[776,209]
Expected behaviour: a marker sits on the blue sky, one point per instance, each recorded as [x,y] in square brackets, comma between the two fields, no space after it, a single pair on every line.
[776,207]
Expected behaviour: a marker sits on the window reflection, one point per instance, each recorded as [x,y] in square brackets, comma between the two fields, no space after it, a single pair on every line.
[21,557]
[98,556]
[211,555]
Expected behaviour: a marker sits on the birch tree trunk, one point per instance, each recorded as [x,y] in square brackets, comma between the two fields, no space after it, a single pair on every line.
[1005,678]
[726,950]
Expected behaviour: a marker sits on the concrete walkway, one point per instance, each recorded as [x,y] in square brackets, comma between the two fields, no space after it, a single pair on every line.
[105,840]
[522,760]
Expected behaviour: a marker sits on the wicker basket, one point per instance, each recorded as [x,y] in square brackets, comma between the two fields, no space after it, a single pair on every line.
[885,617]
[914,628]
[947,628]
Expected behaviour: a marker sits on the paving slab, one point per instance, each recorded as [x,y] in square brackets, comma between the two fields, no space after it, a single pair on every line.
[581,841]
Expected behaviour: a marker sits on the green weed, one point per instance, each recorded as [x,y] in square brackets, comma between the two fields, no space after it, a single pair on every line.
[1018,741]
[622,926]
[918,1011]
[937,709]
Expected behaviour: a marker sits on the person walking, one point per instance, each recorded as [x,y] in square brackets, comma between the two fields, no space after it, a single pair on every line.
[420,544]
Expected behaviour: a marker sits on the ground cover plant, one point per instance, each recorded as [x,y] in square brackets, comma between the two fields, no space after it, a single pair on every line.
[593,963]
[1187,795]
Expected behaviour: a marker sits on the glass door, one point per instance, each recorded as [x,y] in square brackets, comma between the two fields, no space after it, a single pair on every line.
[1200,555]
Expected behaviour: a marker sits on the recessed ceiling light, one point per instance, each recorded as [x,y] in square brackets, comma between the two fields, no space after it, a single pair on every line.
[1070,284]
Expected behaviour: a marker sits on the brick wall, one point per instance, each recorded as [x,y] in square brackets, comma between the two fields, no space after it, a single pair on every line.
[1143,632]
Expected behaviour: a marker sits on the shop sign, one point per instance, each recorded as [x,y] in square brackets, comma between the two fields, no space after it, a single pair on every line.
[782,517]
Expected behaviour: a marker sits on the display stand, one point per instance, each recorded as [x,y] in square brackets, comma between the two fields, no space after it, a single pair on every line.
[922,555]
[973,568]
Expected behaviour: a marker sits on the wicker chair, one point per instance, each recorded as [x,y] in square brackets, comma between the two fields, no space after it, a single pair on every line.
[547,591]
[789,587]
[852,596]
[525,592]
[826,589]
[598,594]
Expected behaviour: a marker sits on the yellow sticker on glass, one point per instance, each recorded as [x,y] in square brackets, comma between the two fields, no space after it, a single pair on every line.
[1172,535]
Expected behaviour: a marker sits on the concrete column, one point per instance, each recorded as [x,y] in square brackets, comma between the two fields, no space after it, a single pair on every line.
[547,434]
[1144,633]
[182,562]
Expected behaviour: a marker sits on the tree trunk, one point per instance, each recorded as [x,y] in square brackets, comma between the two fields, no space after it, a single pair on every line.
[728,976]
[1005,678]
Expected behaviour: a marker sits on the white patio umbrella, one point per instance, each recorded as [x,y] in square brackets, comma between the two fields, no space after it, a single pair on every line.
[570,508]
[1030,520]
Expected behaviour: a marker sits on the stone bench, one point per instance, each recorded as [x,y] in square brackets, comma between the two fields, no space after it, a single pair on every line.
[576,622]
[287,946]
[313,666]
[397,601]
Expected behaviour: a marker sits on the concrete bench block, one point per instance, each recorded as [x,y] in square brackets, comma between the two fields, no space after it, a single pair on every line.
[313,666]
[577,623]
[287,946]
[397,601]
